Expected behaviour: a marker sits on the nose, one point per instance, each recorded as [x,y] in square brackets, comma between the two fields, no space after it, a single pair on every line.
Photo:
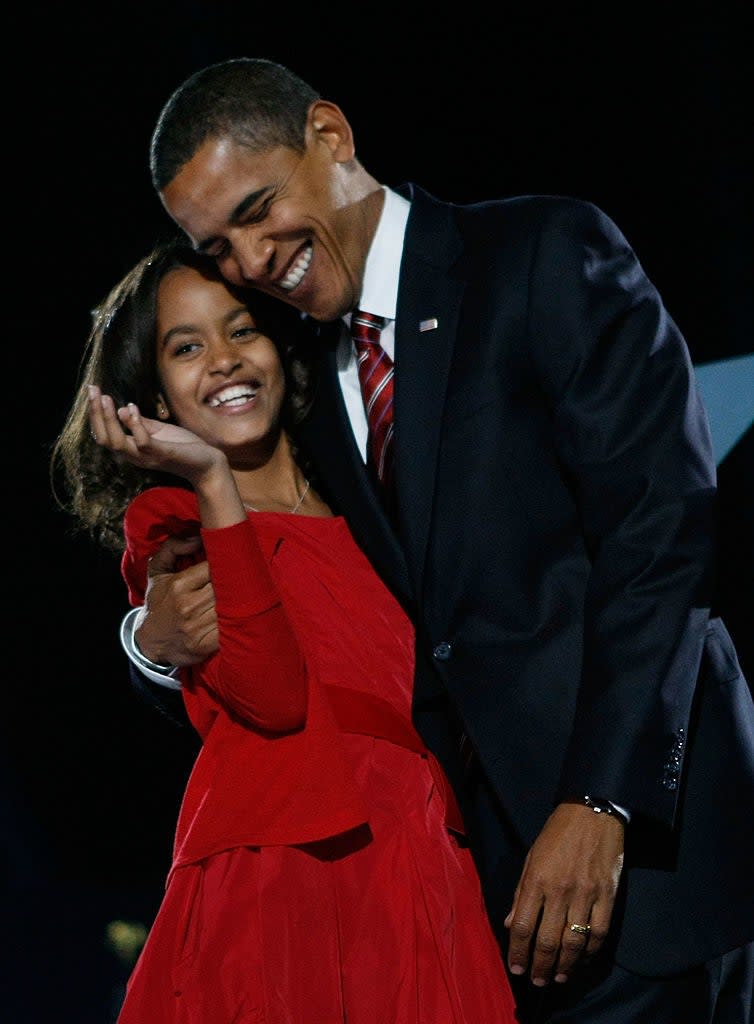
[225,358]
[253,255]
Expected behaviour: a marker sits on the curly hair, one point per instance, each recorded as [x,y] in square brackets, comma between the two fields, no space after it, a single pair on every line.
[121,358]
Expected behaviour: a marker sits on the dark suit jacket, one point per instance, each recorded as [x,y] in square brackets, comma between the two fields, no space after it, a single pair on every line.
[554,542]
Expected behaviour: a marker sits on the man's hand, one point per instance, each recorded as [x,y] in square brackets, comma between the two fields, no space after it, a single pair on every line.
[178,623]
[570,877]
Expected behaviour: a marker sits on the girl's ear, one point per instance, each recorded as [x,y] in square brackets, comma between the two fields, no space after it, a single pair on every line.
[163,412]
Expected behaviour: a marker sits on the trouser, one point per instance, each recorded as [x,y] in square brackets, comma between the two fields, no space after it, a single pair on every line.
[718,992]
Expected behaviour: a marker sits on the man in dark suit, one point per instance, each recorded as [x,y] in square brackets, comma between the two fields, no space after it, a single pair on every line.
[549,524]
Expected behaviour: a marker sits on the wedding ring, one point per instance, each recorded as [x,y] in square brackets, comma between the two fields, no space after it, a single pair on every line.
[580,929]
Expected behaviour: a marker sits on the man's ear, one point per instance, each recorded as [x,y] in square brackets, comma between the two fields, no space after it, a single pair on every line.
[327,123]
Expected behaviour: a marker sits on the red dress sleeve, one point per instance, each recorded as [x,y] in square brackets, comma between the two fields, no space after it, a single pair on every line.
[258,671]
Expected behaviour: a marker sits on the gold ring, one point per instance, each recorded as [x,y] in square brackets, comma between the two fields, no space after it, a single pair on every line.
[580,929]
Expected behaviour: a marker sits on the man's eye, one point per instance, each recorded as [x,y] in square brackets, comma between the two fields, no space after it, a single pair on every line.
[258,213]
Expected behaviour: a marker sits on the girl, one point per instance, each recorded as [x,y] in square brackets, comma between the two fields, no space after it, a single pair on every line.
[319,873]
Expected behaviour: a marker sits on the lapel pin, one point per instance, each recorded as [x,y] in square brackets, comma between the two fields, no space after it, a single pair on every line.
[428,325]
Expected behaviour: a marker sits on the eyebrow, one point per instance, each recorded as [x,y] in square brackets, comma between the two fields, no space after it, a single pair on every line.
[190,329]
[174,331]
[236,214]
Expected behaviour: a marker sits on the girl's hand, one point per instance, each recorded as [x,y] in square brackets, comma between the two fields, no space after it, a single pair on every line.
[148,443]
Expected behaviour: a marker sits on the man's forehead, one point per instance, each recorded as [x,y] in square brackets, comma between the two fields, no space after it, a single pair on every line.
[204,194]
[221,181]
[223,155]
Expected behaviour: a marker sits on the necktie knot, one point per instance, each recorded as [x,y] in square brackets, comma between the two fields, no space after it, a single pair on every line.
[366,327]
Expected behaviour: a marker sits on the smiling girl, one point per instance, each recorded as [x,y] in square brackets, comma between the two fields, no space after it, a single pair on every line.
[319,871]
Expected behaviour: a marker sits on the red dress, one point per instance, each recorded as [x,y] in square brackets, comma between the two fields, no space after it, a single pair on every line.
[317,877]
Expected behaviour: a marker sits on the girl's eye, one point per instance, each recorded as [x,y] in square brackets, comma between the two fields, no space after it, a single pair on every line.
[184,349]
[245,332]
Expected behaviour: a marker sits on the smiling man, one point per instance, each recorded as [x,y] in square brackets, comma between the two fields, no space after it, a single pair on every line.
[548,523]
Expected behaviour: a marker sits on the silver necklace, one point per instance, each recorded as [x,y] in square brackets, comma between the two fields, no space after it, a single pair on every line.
[295,508]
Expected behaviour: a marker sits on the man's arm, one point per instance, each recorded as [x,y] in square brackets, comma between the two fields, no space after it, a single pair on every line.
[162,675]
[632,437]
[175,627]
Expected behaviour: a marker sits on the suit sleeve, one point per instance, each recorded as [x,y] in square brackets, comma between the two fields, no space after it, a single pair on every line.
[633,441]
[258,672]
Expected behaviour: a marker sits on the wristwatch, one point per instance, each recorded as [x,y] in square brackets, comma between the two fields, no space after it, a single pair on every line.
[604,807]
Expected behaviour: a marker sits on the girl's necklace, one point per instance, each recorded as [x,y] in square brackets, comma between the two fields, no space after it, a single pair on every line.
[295,508]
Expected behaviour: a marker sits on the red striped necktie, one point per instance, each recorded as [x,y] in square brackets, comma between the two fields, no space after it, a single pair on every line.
[376,379]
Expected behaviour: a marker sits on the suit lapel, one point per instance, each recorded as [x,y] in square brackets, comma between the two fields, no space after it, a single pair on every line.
[429,301]
[327,433]
[429,290]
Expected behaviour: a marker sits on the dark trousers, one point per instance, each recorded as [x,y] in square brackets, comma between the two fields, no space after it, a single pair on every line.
[718,992]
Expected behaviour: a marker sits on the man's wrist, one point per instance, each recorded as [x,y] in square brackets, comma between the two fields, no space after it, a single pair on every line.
[600,806]
[164,675]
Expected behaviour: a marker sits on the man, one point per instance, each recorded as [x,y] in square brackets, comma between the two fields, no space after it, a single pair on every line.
[545,511]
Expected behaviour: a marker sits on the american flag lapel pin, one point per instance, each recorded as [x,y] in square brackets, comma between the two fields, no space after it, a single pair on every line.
[428,325]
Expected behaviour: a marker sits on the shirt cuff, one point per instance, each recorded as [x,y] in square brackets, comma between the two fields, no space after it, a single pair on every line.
[163,675]
[621,810]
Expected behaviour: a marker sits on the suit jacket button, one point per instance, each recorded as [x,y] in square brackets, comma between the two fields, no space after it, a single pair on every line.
[442,651]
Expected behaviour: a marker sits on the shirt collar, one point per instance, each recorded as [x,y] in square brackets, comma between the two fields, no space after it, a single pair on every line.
[379,293]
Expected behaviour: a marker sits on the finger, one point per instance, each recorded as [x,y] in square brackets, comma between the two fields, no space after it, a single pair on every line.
[514,903]
[96,424]
[115,437]
[196,631]
[522,929]
[166,558]
[518,937]
[193,604]
[131,416]
[574,941]
[207,639]
[210,642]
[199,643]
[599,924]
[547,943]
[584,934]
[106,430]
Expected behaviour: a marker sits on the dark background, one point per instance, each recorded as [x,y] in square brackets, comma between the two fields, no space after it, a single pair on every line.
[648,115]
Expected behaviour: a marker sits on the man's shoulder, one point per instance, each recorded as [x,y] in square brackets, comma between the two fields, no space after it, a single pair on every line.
[487,233]
[524,204]
[538,223]
[529,212]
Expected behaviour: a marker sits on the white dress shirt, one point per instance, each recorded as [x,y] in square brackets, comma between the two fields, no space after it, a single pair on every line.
[379,295]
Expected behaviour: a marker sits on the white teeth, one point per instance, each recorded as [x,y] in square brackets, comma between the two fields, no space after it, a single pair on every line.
[298,270]
[236,394]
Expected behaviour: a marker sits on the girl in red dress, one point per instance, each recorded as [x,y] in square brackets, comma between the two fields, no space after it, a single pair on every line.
[319,872]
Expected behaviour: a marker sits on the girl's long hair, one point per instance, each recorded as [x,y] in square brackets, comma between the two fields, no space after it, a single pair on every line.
[121,358]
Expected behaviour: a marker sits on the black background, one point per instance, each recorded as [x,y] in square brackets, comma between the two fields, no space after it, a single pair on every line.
[648,115]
